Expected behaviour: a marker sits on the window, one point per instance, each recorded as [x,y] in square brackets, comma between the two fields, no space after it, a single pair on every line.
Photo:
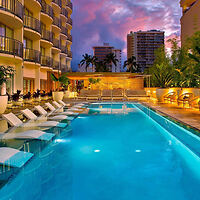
[29,85]
[27,12]
[42,50]
[28,43]
[6,31]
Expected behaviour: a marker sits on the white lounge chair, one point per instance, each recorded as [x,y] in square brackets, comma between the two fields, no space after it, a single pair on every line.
[31,134]
[13,157]
[63,103]
[16,122]
[31,116]
[59,106]
[57,111]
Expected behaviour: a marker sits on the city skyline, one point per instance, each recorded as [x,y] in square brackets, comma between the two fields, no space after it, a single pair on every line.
[110,21]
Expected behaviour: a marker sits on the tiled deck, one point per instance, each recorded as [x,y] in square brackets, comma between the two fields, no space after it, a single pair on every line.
[188,116]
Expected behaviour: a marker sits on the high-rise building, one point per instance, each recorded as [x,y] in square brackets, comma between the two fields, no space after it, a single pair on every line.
[190,22]
[142,45]
[100,52]
[35,39]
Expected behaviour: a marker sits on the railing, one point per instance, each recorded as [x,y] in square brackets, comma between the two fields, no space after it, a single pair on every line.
[69,21]
[56,65]
[64,68]
[46,35]
[69,54]
[69,37]
[64,49]
[32,23]
[64,12]
[11,46]
[47,9]
[56,43]
[56,21]
[31,55]
[13,6]
[46,61]
[58,2]
[64,30]
[69,4]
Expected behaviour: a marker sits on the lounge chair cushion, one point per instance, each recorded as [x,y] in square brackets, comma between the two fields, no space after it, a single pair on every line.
[29,114]
[51,108]
[57,104]
[12,119]
[41,110]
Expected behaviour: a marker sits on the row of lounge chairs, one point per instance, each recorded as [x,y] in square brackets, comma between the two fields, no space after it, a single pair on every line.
[34,128]
[115,94]
[184,99]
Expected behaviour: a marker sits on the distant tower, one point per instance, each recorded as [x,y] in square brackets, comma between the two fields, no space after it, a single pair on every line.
[142,45]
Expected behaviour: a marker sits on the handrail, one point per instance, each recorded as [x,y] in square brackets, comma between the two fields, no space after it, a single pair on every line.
[46,61]
[32,23]
[69,21]
[56,43]
[47,9]
[58,2]
[56,21]
[11,46]
[46,35]
[64,12]
[31,55]
[13,6]
[69,4]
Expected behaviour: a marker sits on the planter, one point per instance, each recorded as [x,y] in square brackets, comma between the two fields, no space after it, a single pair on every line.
[160,93]
[58,96]
[3,104]
[67,93]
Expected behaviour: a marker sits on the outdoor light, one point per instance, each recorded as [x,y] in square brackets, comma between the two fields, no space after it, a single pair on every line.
[97,151]
[137,151]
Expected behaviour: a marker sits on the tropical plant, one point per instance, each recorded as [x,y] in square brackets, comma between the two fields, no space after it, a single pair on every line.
[111,58]
[62,81]
[94,81]
[5,74]
[132,65]
[101,66]
[87,60]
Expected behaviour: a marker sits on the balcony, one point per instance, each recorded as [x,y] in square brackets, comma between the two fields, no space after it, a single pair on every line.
[31,55]
[64,30]
[56,65]
[46,61]
[69,4]
[56,21]
[11,46]
[69,21]
[47,9]
[64,68]
[64,49]
[46,35]
[13,6]
[64,12]
[32,23]
[69,54]
[58,2]
[69,37]
[56,43]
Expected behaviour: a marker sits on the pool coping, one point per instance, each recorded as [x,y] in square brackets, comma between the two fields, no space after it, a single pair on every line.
[174,119]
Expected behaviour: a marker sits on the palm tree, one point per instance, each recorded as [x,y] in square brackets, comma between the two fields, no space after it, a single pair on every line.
[101,66]
[94,61]
[132,65]
[87,60]
[111,58]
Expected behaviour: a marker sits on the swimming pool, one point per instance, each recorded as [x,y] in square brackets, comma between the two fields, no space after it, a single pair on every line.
[116,151]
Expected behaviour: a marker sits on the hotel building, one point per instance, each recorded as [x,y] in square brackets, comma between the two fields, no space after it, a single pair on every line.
[100,52]
[142,45]
[35,39]
[190,22]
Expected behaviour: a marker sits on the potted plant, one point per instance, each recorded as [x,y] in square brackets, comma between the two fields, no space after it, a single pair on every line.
[5,74]
[63,83]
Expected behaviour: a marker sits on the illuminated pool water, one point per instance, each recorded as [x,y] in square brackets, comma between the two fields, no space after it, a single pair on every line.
[116,152]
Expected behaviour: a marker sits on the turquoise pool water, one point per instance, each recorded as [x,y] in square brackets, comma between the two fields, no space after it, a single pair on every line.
[116,152]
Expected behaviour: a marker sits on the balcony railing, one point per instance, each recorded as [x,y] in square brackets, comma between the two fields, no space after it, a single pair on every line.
[56,21]
[31,55]
[69,21]
[46,61]
[64,68]
[64,49]
[40,1]
[46,35]
[58,2]
[64,12]
[69,54]
[12,6]
[11,46]
[69,4]
[32,23]
[47,9]
[64,30]
[56,43]
[69,37]
[56,65]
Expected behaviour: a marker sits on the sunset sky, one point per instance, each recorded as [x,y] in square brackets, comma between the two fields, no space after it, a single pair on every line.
[99,21]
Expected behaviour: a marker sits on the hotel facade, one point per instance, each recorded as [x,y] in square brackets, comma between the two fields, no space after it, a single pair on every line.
[190,22]
[35,39]
[142,45]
